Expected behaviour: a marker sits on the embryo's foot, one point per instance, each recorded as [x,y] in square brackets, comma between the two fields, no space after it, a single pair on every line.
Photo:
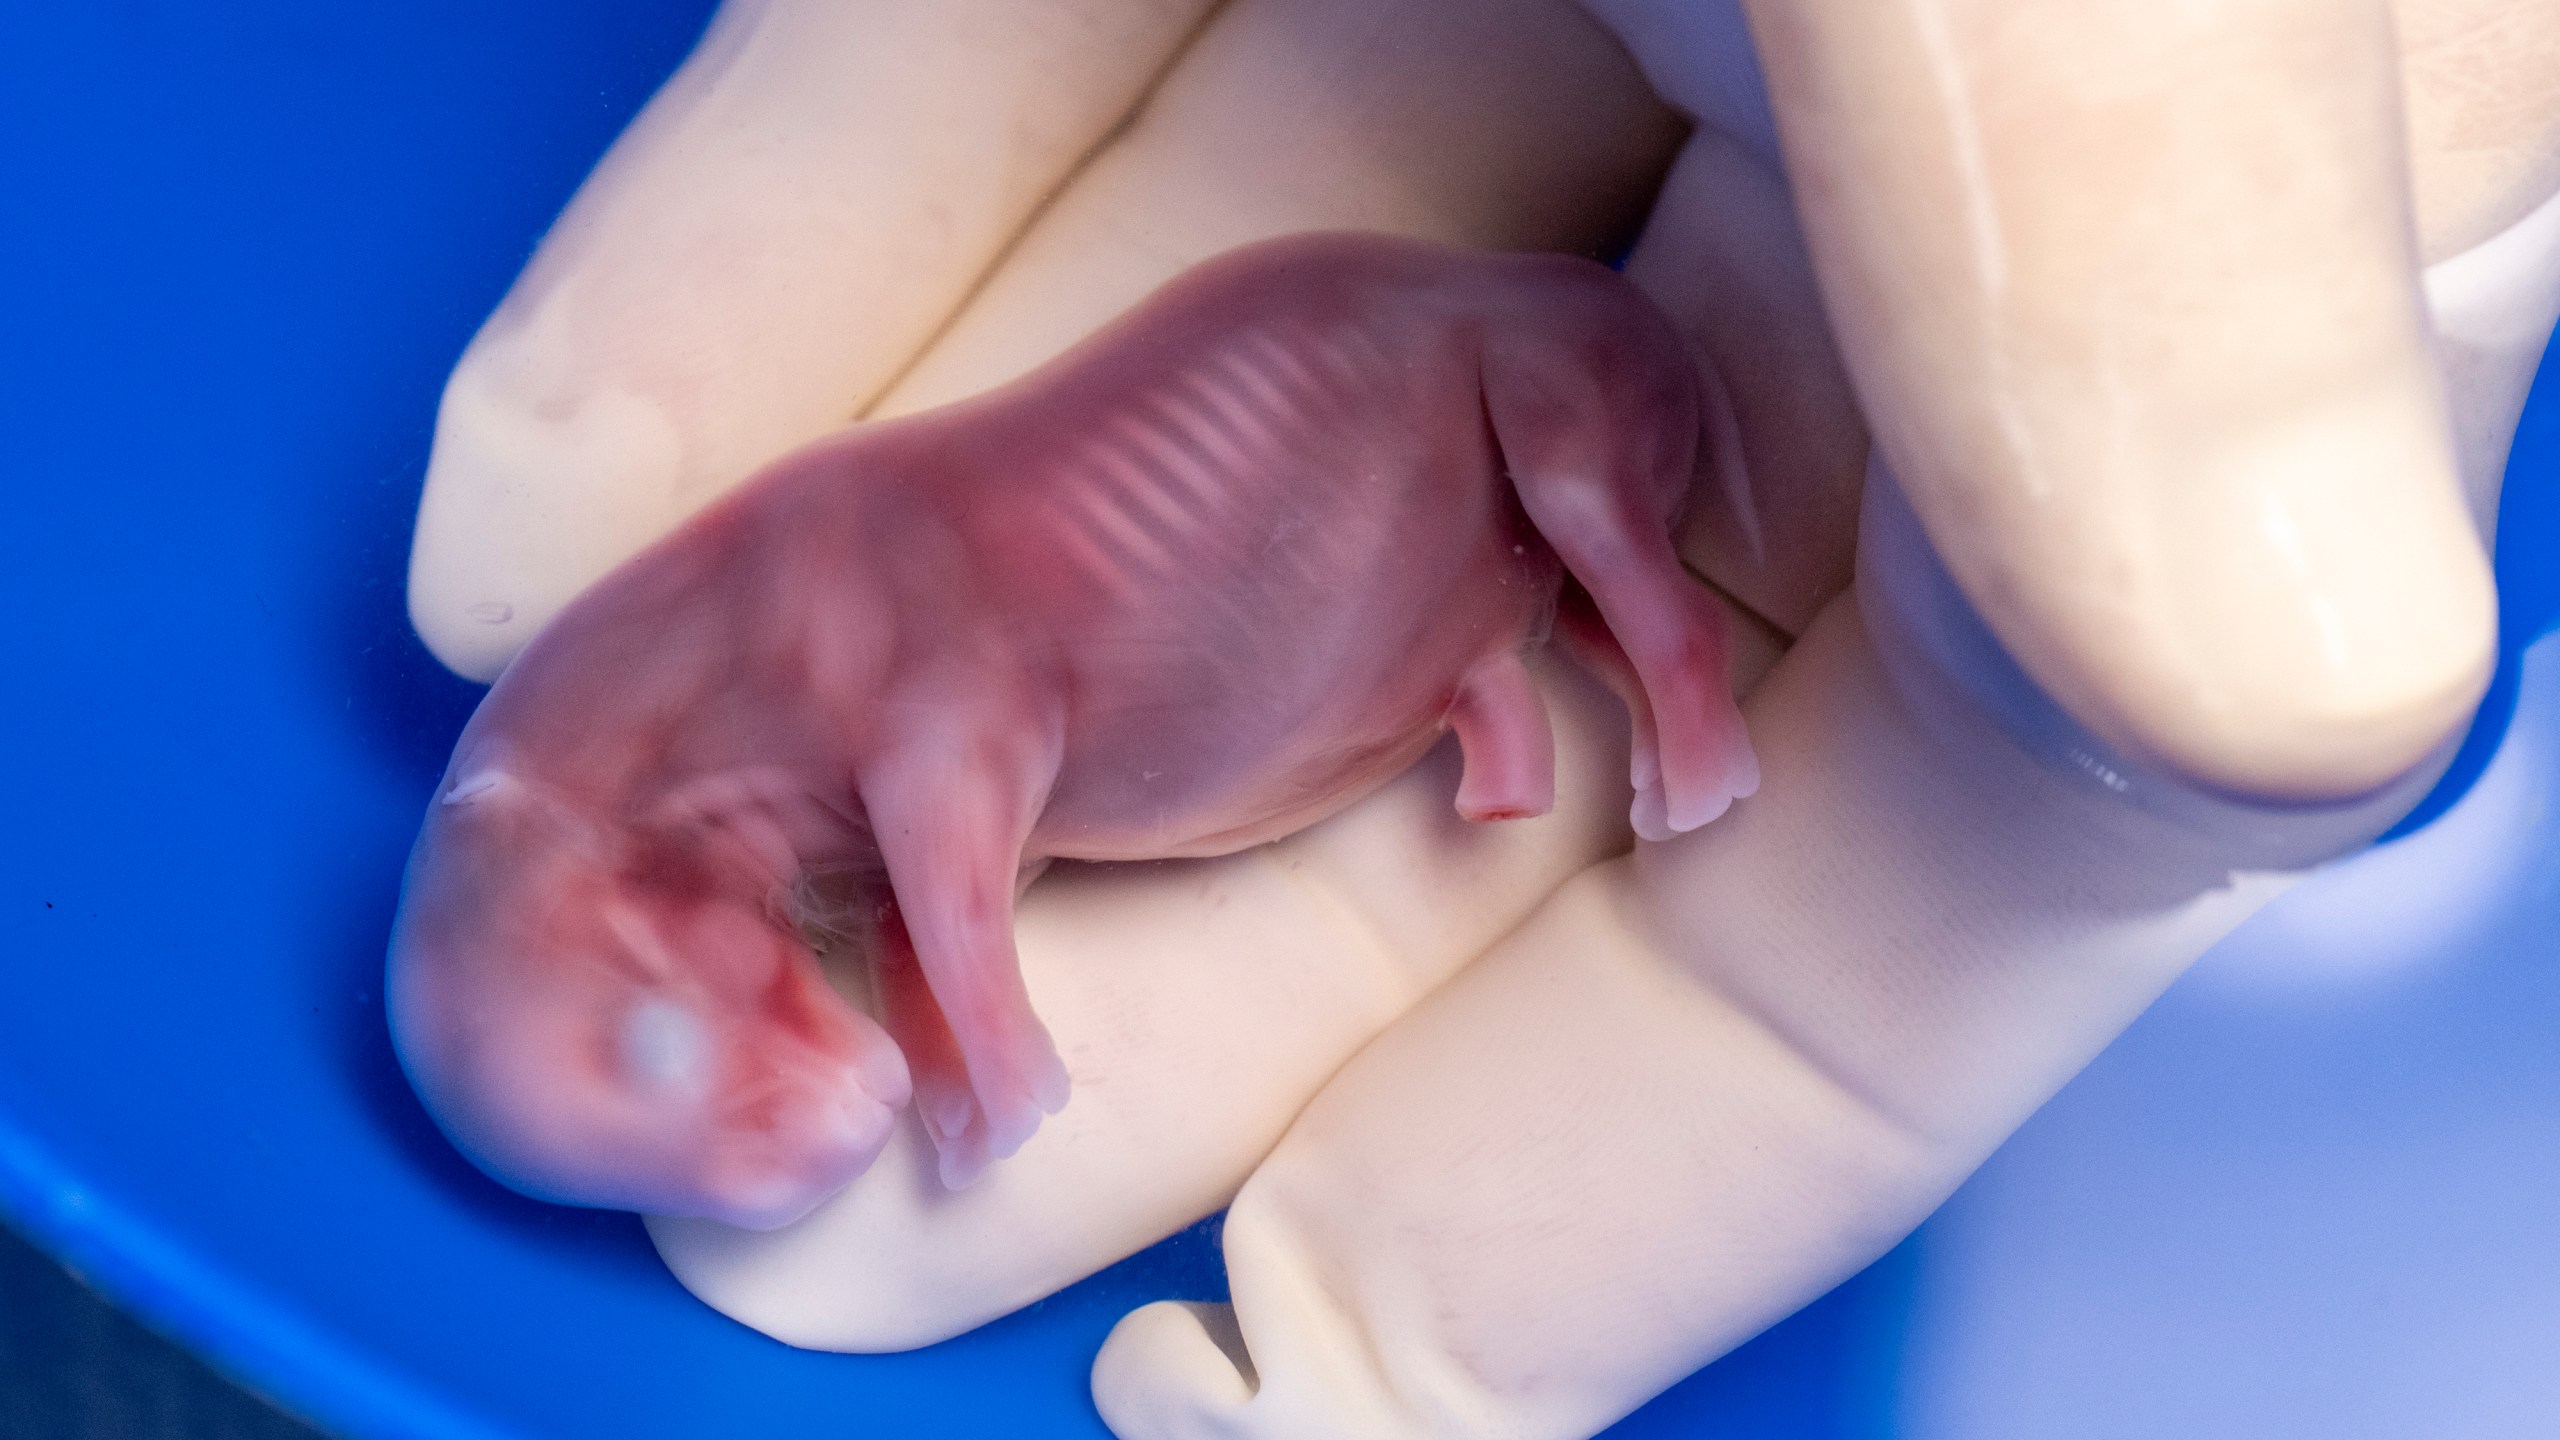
[974,1117]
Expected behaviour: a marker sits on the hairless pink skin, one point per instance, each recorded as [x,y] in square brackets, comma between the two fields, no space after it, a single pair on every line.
[1206,579]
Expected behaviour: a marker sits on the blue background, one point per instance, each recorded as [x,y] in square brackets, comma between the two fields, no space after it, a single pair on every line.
[2310,1195]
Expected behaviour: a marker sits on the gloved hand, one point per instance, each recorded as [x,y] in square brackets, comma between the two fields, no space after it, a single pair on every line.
[2117,288]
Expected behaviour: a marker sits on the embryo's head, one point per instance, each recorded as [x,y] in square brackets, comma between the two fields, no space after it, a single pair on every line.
[601,1014]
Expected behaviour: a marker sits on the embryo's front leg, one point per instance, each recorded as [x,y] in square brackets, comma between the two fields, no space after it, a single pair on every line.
[952,795]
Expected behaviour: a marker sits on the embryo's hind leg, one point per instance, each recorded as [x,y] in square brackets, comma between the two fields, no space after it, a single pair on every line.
[1510,751]
[1585,636]
[951,807]
[1599,441]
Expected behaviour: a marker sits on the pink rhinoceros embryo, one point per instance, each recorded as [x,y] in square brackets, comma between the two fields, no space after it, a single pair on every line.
[1207,578]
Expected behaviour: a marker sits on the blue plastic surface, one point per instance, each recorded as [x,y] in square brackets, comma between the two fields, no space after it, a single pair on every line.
[239,247]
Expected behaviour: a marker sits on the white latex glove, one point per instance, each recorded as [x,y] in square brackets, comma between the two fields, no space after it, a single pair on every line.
[788,229]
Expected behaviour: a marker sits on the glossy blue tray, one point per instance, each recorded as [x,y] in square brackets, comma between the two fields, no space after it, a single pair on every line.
[239,246]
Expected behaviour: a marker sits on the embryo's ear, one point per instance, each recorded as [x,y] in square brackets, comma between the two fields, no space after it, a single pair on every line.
[487,783]
[485,786]
[497,801]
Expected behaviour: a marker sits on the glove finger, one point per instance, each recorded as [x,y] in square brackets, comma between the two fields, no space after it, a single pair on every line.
[2131,298]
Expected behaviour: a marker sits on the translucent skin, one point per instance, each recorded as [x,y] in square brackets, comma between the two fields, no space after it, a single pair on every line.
[1206,579]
